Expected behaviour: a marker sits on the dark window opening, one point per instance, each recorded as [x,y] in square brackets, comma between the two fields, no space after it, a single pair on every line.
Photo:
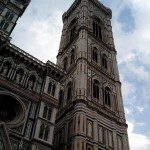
[95,56]
[104,61]
[45,112]
[107,96]
[41,131]
[97,31]
[53,90]
[72,32]
[69,91]
[2,23]
[49,88]
[46,133]
[96,89]
[49,114]
[65,64]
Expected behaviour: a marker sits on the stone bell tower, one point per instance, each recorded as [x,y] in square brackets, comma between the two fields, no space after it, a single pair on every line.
[91,112]
[10,11]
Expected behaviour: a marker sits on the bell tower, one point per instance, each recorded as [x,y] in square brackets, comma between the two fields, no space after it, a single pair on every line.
[91,112]
[10,11]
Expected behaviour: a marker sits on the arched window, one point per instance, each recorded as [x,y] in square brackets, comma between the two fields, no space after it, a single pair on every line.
[41,131]
[7,15]
[49,88]
[95,55]
[53,90]
[65,63]
[45,112]
[2,23]
[61,98]
[72,32]
[96,89]
[107,96]
[6,25]
[69,91]
[46,133]
[11,17]
[72,57]
[97,31]
[49,113]
[104,61]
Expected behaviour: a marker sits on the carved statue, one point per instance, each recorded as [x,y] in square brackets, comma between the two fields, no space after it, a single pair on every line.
[5,70]
[18,77]
[30,84]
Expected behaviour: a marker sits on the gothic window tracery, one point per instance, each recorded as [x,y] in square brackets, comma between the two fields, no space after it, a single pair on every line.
[97,31]
[9,15]
[104,61]
[107,97]
[51,88]
[95,55]
[47,112]
[44,132]
[96,89]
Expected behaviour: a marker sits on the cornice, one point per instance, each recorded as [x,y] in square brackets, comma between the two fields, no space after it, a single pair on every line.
[106,10]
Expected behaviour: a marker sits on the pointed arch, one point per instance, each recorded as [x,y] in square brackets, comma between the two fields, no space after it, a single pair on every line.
[49,87]
[41,131]
[7,15]
[45,111]
[107,96]
[95,54]
[53,90]
[46,133]
[49,113]
[96,87]
[104,61]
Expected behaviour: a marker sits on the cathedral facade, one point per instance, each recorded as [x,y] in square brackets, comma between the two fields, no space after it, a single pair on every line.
[75,104]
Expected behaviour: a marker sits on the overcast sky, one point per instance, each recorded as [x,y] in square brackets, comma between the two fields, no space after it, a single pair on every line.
[38,32]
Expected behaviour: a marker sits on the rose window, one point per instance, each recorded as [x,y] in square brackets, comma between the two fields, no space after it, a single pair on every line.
[12,110]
